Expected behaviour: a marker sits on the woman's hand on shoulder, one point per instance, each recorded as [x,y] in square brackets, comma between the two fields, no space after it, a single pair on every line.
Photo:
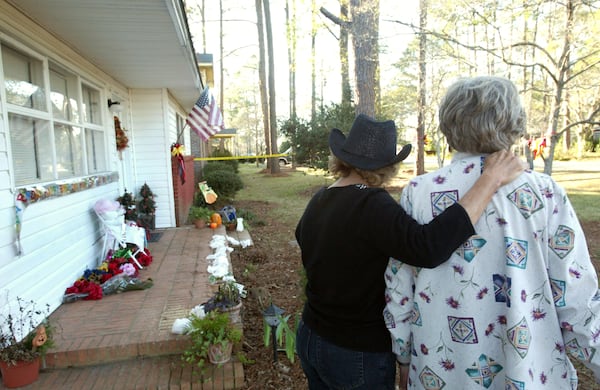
[503,166]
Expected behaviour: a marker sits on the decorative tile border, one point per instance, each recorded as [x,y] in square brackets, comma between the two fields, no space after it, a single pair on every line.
[24,196]
[38,193]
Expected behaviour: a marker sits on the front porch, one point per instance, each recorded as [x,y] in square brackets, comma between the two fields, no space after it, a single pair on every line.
[124,341]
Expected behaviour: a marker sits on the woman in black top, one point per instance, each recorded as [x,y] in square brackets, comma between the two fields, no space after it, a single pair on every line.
[346,235]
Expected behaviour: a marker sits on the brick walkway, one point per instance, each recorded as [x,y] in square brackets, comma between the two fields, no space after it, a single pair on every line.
[124,341]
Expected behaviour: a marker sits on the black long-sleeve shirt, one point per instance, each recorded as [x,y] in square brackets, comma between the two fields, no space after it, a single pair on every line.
[347,235]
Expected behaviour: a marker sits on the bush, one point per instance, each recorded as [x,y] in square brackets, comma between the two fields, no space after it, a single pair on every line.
[225,153]
[217,166]
[224,183]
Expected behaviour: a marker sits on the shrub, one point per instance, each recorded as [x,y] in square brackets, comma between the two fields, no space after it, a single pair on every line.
[226,153]
[217,166]
[224,183]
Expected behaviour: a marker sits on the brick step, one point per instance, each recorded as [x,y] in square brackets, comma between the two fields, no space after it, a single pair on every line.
[161,372]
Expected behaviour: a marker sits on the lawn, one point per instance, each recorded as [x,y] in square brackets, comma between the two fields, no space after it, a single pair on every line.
[292,188]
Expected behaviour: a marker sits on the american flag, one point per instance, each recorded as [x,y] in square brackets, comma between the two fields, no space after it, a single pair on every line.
[206,118]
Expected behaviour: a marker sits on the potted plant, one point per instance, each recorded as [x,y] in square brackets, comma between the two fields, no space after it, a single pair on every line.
[146,208]
[211,338]
[25,337]
[128,203]
[227,299]
[200,216]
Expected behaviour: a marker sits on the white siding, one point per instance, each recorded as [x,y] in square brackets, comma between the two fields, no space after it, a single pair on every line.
[60,237]
[153,150]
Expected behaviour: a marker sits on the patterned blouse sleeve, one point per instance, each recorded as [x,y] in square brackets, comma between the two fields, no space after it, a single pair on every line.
[574,283]
[398,313]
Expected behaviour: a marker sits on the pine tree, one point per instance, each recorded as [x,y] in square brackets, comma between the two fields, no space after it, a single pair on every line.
[146,204]
[128,203]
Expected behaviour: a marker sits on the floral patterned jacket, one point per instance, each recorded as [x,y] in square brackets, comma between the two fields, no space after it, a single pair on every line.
[509,306]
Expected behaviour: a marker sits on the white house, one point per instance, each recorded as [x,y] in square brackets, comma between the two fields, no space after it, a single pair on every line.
[61,63]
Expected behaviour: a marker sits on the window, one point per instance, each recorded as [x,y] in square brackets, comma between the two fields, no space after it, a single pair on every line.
[31,149]
[64,140]
[23,78]
[91,105]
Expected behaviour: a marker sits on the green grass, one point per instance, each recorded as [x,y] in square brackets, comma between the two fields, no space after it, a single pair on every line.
[290,191]
[293,189]
[583,189]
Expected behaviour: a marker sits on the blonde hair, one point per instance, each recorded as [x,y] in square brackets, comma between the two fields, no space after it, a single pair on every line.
[376,178]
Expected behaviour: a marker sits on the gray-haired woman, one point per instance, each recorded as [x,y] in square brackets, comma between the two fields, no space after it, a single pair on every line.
[347,233]
[521,294]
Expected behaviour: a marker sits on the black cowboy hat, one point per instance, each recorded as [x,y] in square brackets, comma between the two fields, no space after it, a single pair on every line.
[370,145]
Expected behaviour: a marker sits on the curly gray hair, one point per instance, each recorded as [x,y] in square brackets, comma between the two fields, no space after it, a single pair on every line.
[482,115]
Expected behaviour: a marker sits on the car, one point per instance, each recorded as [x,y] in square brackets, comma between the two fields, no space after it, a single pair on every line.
[287,159]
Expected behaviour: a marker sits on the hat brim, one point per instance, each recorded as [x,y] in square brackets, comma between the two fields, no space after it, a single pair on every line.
[336,144]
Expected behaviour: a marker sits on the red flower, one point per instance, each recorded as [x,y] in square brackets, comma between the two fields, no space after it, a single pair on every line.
[94,290]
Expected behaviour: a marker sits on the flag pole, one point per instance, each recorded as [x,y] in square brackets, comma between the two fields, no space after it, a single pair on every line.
[181,132]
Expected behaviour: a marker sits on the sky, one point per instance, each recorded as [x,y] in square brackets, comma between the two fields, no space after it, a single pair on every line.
[241,46]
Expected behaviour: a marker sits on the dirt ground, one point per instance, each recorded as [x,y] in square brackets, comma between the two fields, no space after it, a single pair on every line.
[271,270]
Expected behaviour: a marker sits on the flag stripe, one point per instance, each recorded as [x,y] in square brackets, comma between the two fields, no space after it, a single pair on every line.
[205,118]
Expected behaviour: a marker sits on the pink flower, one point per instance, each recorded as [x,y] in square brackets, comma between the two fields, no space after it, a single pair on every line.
[501,320]
[128,269]
[543,378]
[501,221]
[439,180]
[453,303]
[489,329]
[523,296]
[482,293]
[538,314]
[595,335]
[458,269]
[559,347]
[447,364]
[425,297]
[424,349]
[566,326]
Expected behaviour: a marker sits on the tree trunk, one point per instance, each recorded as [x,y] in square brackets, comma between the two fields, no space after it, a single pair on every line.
[561,80]
[262,76]
[344,60]
[291,41]
[365,34]
[221,73]
[422,93]
[272,99]
[313,57]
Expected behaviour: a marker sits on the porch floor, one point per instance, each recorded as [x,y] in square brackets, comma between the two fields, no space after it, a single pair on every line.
[124,341]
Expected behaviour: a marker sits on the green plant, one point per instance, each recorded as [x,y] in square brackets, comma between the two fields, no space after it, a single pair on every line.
[224,183]
[234,163]
[146,203]
[213,166]
[284,334]
[227,296]
[25,334]
[128,202]
[200,213]
[212,329]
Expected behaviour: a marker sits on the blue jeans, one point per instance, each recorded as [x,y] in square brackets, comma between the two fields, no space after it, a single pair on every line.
[328,366]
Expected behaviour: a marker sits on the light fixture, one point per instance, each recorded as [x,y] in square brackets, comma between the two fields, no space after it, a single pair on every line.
[272,314]
[114,107]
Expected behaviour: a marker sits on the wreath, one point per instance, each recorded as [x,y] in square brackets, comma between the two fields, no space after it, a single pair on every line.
[122,139]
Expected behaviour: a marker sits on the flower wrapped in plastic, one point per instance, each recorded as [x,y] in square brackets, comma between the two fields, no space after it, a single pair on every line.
[122,282]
